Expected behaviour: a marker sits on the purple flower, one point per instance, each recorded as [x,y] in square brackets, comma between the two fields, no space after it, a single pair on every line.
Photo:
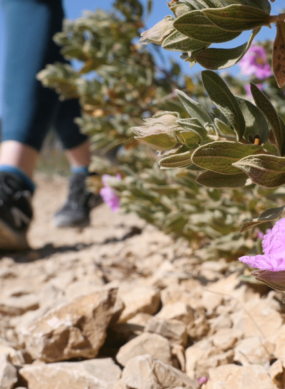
[254,63]
[260,235]
[202,380]
[274,250]
[248,91]
[108,195]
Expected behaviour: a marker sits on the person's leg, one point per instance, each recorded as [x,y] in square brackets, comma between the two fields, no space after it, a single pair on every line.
[76,210]
[79,156]
[28,108]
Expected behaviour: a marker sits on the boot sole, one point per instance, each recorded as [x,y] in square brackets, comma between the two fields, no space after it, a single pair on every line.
[11,240]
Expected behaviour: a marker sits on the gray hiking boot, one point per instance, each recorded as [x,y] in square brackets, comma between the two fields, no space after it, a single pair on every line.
[76,210]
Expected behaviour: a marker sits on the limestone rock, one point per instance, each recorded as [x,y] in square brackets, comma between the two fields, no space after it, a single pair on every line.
[82,288]
[253,350]
[239,377]
[177,311]
[91,374]
[204,355]
[257,316]
[276,372]
[139,299]
[145,372]
[199,328]
[226,339]
[17,357]
[211,301]
[221,322]
[8,373]
[119,385]
[75,329]
[173,330]
[204,365]
[278,339]
[141,319]
[152,344]
[14,306]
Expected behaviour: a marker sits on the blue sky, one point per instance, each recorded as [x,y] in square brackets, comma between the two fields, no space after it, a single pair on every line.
[74,9]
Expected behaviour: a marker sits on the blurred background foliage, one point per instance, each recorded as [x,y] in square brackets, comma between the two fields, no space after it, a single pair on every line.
[119,84]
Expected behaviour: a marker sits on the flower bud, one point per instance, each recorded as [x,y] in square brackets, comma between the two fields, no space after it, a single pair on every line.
[159,32]
[275,280]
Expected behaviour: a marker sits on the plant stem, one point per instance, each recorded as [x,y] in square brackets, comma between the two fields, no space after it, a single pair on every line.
[277,18]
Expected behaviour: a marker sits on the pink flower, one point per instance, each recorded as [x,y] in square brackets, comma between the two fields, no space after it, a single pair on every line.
[254,63]
[108,195]
[274,250]
[202,380]
[248,91]
[260,234]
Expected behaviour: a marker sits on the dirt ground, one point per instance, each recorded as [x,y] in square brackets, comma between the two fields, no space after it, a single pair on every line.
[175,320]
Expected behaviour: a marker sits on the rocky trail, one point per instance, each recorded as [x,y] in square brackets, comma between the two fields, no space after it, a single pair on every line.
[119,305]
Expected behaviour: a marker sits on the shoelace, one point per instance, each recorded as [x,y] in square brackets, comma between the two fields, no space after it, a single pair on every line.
[6,190]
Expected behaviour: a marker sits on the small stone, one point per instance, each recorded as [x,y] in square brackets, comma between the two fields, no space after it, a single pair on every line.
[239,377]
[221,322]
[82,288]
[199,328]
[253,350]
[8,373]
[173,330]
[145,372]
[139,300]
[177,311]
[204,355]
[276,371]
[268,320]
[226,339]
[91,374]
[152,344]
[278,339]
[15,306]
[211,301]
[76,329]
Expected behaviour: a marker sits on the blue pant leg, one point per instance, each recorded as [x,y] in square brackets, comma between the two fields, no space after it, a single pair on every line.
[29,108]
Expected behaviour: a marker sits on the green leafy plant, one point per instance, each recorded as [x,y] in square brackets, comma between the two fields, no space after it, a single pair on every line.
[119,84]
[197,24]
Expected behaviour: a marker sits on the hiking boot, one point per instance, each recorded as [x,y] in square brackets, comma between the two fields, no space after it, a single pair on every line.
[76,210]
[16,212]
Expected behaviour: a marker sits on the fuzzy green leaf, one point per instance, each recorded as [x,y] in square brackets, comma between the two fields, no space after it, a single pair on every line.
[179,42]
[272,117]
[267,216]
[224,100]
[197,26]
[189,138]
[261,4]
[194,109]
[256,124]
[264,170]
[181,8]
[193,125]
[236,18]
[215,59]
[215,180]
[176,161]
[223,129]
[219,156]
[161,141]
[211,3]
